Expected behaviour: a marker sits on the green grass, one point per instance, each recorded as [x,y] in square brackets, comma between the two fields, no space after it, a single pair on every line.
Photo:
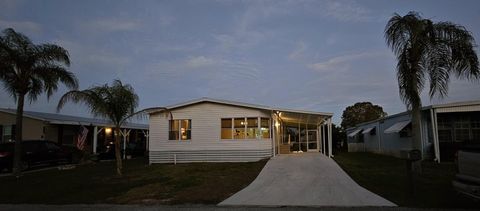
[199,183]
[387,177]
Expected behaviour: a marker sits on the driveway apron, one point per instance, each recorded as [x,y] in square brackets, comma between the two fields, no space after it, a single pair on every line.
[308,179]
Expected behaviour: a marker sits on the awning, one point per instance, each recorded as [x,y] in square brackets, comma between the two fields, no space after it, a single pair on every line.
[397,127]
[368,130]
[352,134]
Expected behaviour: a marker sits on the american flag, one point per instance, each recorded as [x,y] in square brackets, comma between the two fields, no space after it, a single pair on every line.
[82,137]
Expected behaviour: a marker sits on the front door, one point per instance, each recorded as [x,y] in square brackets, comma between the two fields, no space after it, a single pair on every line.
[312,140]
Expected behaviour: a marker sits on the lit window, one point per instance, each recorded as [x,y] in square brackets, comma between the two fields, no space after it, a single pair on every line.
[239,128]
[265,127]
[252,128]
[180,129]
[245,128]
[227,129]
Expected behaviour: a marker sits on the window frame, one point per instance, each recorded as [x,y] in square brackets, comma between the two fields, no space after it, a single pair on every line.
[179,125]
[245,129]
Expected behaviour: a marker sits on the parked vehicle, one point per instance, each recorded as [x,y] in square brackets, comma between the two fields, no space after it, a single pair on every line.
[467,180]
[133,149]
[34,153]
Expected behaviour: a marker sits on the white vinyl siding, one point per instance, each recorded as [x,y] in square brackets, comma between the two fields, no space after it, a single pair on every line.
[205,134]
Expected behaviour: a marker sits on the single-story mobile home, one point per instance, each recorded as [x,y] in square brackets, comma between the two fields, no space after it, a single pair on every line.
[445,128]
[211,130]
[64,129]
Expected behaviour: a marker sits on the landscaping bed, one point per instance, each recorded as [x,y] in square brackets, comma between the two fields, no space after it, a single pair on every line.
[387,177]
[197,183]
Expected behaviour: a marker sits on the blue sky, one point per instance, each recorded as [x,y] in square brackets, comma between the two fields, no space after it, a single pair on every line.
[312,55]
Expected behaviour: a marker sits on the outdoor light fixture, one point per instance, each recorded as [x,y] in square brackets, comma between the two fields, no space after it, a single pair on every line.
[277,124]
[108,130]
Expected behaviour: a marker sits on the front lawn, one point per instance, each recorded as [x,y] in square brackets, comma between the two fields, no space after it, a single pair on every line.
[199,183]
[386,176]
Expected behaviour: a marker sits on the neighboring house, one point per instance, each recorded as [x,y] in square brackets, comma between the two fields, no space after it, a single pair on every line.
[64,129]
[445,128]
[210,130]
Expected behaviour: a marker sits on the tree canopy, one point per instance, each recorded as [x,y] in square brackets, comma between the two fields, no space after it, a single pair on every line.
[361,112]
[116,103]
[428,51]
[29,70]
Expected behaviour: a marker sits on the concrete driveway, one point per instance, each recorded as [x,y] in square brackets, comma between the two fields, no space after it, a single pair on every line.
[308,179]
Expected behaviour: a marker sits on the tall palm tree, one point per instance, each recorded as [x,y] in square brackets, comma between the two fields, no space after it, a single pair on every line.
[116,103]
[429,51]
[27,69]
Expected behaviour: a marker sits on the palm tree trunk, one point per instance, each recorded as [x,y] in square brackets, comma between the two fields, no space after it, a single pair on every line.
[118,156]
[17,159]
[417,135]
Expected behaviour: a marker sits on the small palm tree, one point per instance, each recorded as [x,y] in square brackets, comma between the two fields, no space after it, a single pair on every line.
[116,103]
[27,69]
[428,50]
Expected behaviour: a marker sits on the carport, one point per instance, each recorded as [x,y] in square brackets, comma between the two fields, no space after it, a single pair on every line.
[301,131]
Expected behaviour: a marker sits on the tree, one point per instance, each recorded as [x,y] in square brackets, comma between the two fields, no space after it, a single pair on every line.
[361,112]
[116,103]
[425,49]
[27,69]
[339,138]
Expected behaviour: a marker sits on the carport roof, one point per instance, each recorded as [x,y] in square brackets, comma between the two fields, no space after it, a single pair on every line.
[72,120]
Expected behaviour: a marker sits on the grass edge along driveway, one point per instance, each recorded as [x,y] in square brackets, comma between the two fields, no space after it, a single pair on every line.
[195,183]
[386,176]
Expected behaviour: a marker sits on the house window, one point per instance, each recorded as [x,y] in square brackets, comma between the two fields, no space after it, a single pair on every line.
[444,129]
[8,133]
[245,128]
[180,129]
[476,128]
[265,127]
[462,129]
[252,128]
[227,129]
[239,128]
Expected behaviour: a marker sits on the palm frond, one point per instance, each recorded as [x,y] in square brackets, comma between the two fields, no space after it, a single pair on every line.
[462,45]
[51,52]
[116,102]
[29,69]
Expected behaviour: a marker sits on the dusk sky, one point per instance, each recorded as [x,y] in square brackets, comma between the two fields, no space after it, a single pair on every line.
[310,55]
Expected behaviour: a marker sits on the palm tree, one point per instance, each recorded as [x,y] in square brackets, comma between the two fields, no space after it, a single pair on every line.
[428,50]
[116,103]
[27,69]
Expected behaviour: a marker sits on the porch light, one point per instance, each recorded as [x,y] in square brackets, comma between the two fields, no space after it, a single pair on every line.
[108,130]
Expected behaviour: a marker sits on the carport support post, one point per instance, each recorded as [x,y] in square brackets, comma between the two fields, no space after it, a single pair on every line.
[436,146]
[95,139]
[324,150]
[330,137]
[273,135]
[96,131]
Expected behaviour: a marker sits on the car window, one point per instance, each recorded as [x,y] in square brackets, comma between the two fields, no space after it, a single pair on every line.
[31,146]
[52,146]
[6,147]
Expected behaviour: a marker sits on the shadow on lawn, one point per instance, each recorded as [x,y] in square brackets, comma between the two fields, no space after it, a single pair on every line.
[199,183]
[387,177]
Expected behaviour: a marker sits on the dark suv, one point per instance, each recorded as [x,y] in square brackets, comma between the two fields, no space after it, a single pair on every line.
[34,153]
